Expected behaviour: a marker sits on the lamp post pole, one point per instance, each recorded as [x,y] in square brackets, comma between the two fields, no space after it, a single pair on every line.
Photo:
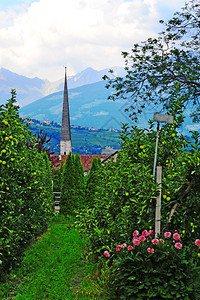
[167,119]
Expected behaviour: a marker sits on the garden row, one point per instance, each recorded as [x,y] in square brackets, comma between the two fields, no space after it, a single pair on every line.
[120,197]
[26,199]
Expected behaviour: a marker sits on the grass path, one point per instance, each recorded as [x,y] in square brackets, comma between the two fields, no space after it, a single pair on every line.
[54,268]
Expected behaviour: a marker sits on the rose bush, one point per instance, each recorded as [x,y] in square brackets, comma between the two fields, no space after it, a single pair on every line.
[156,268]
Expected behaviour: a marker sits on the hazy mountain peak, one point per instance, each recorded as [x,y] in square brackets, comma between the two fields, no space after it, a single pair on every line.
[32,89]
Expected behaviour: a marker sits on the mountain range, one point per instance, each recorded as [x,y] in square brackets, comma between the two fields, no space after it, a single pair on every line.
[32,89]
[88,107]
[88,102]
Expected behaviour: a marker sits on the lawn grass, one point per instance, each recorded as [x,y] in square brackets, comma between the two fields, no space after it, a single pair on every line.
[54,267]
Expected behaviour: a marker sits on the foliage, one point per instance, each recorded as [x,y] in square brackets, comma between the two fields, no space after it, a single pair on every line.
[126,194]
[79,182]
[67,204]
[123,199]
[92,181]
[47,181]
[161,268]
[57,175]
[26,199]
[42,139]
[72,185]
[154,67]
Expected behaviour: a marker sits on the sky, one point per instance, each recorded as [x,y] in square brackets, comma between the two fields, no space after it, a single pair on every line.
[39,37]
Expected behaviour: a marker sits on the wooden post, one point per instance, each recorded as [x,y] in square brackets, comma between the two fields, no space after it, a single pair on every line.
[158,202]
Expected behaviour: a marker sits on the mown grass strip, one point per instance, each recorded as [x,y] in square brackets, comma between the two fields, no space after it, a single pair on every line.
[54,268]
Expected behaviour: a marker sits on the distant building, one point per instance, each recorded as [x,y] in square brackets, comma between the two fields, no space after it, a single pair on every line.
[47,121]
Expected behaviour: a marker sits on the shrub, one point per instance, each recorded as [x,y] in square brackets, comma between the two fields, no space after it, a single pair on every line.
[123,199]
[155,268]
[57,178]
[93,180]
[72,186]
[67,196]
[79,182]
[125,195]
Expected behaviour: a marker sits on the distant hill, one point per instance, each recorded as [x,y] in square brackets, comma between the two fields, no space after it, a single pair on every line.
[31,89]
[84,140]
[88,104]
[89,107]
[28,89]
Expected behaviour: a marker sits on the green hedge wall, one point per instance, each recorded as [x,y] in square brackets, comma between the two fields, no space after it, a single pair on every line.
[26,197]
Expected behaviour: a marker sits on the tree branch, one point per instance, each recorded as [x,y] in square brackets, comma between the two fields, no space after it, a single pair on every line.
[179,200]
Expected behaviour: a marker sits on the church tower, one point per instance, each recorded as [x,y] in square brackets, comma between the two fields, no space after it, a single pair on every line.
[65,142]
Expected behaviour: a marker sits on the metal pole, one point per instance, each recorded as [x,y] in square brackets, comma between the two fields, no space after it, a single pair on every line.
[156,150]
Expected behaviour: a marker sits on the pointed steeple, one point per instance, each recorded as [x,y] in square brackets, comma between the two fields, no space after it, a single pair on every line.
[65,142]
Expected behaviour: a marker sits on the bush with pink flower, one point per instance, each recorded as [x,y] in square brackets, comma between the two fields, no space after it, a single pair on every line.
[197,243]
[156,267]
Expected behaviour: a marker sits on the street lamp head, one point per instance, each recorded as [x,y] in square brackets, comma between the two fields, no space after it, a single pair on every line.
[163,118]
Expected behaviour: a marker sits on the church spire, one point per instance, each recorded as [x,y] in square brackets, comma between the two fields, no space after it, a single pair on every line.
[65,142]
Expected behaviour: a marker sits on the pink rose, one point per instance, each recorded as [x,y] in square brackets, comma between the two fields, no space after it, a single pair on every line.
[150,232]
[135,233]
[167,234]
[142,238]
[155,241]
[145,233]
[150,250]
[176,236]
[130,248]
[162,241]
[136,242]
[178,246]
[197,243]
[106,253]
[124,246]
[118,247]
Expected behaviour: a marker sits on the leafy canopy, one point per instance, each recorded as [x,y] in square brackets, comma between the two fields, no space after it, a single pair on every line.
[156,66]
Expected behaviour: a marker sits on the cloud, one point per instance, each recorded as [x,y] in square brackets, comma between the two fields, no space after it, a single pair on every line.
[101,113]
[38,40]
[193,127]
[77,116]
[74,94]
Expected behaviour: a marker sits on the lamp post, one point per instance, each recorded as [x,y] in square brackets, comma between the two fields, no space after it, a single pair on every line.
[160,118]
[167,119]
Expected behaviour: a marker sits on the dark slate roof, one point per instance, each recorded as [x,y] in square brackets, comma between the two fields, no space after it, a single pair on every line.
[65,130]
